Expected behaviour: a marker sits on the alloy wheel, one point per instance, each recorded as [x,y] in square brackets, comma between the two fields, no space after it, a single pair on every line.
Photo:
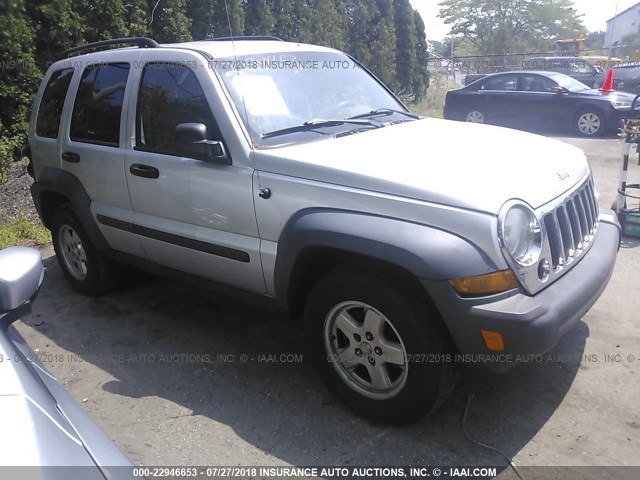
[366,350]
[73,253]
[475,117]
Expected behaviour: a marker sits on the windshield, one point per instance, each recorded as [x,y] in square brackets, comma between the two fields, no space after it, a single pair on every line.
[277,92]
[569,83]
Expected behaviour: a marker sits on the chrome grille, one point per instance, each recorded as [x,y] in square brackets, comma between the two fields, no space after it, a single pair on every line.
[571,225]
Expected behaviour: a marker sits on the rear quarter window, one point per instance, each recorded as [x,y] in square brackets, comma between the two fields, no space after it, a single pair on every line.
[98,106]
[50,111]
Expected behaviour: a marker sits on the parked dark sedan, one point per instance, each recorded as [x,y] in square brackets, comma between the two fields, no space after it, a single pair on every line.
[538,100]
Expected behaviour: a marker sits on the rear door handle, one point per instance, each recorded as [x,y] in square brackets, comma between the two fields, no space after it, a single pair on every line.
[71,157]
[144,171]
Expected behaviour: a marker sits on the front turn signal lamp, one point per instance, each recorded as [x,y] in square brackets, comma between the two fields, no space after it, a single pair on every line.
[488,284]
[493,340]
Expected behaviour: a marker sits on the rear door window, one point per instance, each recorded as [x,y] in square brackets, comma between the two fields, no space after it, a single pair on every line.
[502,82]
[50,112]
[98,107]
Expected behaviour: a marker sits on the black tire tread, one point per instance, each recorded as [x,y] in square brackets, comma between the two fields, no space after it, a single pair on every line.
[418,306]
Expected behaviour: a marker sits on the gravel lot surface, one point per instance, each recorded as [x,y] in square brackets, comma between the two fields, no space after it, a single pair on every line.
[15,196]
[160,368]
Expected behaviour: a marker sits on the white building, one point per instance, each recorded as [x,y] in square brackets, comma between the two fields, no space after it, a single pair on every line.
[623,24]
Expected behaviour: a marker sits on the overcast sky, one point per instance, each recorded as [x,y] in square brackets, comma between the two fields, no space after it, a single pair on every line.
[596,13]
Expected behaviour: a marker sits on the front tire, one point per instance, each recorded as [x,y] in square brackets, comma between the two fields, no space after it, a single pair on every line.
[590,123]
[86,269]
[379,346]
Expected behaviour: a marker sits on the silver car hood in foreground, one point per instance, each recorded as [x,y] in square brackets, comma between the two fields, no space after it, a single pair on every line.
[470,166]
[43,427]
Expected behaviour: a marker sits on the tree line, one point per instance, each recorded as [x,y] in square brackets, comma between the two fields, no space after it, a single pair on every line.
[482,27]
[388,36]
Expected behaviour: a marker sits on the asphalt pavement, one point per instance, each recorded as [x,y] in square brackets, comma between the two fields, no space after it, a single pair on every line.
[178,376]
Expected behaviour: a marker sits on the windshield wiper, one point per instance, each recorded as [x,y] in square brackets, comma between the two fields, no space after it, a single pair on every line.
[386,111]
[319,123]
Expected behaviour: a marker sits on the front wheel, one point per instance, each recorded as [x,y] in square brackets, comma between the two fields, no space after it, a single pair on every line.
[379,348]
[590,123]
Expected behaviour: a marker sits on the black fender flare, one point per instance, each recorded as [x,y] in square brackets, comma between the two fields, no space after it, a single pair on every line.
[61,182]
[425,252]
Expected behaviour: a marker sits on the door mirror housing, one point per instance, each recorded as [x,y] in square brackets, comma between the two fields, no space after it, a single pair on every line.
[192,142]
[21,274]
[559,90]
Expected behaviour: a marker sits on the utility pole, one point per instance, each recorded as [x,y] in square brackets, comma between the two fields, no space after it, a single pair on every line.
[613,27]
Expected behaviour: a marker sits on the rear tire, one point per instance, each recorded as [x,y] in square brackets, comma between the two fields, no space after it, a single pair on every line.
[379,346]
[87,270]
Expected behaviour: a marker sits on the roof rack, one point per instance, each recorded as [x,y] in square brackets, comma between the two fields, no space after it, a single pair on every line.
[243,37]
[141,42]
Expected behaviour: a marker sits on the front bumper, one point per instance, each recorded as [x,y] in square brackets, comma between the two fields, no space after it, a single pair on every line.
[616,118]
[530,325]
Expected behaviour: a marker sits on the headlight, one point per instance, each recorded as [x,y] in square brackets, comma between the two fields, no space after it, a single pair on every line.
[621,105]
[520,233]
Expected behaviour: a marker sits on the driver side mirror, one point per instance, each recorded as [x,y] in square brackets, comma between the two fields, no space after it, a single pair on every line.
[558,89]
[21,274]
[191,141]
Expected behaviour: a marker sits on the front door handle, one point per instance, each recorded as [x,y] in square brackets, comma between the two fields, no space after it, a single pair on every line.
[144,171]
[71,157]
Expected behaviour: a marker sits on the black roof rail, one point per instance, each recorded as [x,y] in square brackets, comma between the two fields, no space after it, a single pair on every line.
[141,42]
[243,37]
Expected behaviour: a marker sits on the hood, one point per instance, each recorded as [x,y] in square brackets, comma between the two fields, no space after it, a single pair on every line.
[612,96]
[47,427]
[465,165]
[40,434]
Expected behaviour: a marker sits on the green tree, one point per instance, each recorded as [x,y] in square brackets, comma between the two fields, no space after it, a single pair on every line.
[18,78]
[57,26]
[322,22]
[102,19]
[406,41]
[259,18]
[505,26]
[371,39]
[209,18]
[285,24]
[421,76]
[136,18]
[169,21]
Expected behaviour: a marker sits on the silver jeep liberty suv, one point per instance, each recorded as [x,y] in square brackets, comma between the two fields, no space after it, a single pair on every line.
[291,172]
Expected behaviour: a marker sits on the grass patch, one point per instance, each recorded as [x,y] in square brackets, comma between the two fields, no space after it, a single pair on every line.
[22,231]
[433,103]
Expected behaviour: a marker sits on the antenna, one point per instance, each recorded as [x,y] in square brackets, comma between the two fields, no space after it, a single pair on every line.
[153,11]
[235,57]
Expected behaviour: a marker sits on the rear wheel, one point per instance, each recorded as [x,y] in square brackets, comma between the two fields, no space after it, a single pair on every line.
[379,348]
[475,116]
[590,123]
[87,269]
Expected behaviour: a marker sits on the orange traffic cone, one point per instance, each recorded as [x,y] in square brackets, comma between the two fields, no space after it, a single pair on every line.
[607,86]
